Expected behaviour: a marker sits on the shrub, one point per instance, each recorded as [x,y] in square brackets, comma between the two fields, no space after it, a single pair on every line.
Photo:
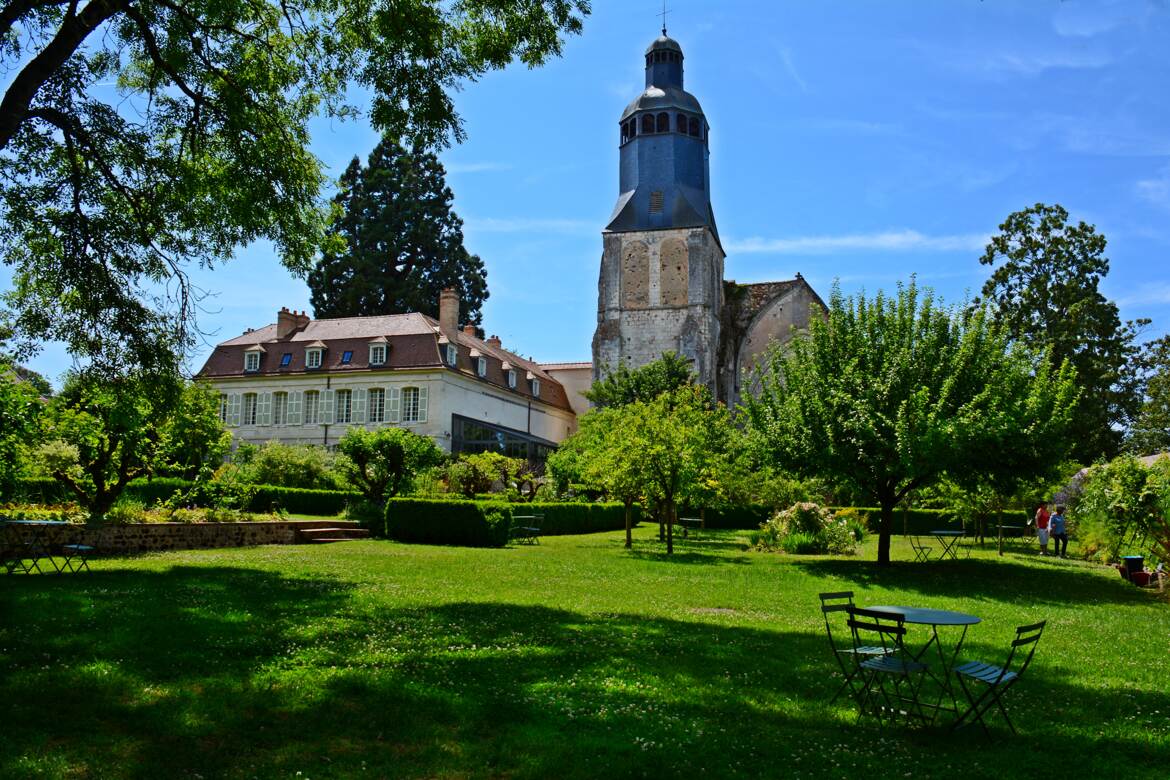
[304,466]
[801,544]
[465,523]
[127,511]
[563,518]
[805,529]
[271,498]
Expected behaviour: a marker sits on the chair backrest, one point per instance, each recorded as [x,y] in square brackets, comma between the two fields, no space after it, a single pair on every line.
[886,629]
[840,601]
[1026,637]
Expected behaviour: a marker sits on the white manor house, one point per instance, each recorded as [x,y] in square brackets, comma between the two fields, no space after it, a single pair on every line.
[308,381]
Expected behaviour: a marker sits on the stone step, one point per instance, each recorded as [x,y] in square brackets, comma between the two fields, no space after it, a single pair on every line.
[331,540]
[334,533]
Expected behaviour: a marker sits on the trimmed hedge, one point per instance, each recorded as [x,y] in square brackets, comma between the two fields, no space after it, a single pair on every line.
[301,501]
[743,517]
[432,521]
[49,491]
[923,521]
[565,518]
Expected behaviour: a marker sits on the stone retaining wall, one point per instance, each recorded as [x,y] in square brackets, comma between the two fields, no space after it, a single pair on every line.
[152,537]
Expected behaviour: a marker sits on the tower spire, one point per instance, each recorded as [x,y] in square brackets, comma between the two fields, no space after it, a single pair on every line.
[663,15]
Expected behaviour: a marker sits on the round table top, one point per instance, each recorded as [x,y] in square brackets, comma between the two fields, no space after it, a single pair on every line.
[931,617]
[947,533]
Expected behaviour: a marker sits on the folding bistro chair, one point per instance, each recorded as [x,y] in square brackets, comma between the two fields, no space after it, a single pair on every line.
[998,679]
[77,555]
[921,551]
[848,656]
[891,682]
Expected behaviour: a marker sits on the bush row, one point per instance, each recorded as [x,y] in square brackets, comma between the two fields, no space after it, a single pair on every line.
[923,521]
[265,498]
[562,519]
[435,521]
[487,523]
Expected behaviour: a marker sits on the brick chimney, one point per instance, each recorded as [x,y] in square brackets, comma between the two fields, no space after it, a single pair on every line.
[289,322]
[469,329]
[449,309]
[494,341]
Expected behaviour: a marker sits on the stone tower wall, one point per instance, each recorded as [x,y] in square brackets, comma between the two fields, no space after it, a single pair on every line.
[659,290]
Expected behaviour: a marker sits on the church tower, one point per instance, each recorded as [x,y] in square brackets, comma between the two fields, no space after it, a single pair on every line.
[661,284]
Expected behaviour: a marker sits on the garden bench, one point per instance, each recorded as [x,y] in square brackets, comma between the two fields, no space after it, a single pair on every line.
[689,523]
[526,528]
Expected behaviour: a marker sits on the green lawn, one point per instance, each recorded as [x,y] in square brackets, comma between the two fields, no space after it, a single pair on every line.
[572,658]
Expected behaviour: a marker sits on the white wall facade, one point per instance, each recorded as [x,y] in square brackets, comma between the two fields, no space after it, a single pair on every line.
[441,394]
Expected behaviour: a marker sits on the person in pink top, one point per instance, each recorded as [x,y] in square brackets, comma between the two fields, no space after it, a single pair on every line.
[1042,528]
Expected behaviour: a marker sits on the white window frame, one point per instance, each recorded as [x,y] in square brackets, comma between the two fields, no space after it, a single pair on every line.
[377,354]
[280,408]
[252,361]
[417,414]
[344,406]
[536,388]
[452,355]
[313,357]
[312,407]
[481,366]
[512,379]
[248,409]
[377,408]
[223,408]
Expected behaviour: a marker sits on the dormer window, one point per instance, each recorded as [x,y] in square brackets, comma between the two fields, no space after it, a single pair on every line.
[252,361]
[536,388]
[512,379]
[377,354]
[452,355]
[481,366]
[347,356]
[285,360]
[313,357]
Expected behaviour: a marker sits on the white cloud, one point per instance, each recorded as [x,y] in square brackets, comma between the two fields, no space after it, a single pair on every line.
[786,57]
[1156,190]
[1154,292]
[476,167]
[1035,63]
[889,241]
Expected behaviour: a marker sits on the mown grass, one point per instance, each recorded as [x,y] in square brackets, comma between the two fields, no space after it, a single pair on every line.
[571,658]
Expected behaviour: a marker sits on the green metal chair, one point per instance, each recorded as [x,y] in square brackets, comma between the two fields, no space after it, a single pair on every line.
[891,681]
[921,551]
[997,680]
[848,656]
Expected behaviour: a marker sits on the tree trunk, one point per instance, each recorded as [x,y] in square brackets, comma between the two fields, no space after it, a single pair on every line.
[886,530]
[670,526]
[629,525]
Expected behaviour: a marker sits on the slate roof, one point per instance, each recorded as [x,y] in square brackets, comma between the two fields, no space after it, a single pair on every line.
[413,341]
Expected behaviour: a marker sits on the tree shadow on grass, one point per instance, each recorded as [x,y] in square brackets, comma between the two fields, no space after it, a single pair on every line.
[227,672]
[1000,580]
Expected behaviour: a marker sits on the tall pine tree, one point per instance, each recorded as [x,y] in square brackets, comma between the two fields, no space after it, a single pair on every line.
[394,241]
[1045,290]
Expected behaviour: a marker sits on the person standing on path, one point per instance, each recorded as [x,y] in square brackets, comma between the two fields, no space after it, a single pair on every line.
[1056,525]
[1042,528]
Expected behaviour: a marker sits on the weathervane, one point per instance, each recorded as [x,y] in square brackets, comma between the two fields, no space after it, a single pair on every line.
[663,15]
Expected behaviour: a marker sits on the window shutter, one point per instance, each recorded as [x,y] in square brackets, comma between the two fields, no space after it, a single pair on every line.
[327,407]
[422,404]
[394,405]
[294,407]
[359,405]
[264,413]
[234,410]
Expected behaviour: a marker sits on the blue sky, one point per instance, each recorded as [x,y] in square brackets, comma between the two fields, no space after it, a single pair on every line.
[859,141]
